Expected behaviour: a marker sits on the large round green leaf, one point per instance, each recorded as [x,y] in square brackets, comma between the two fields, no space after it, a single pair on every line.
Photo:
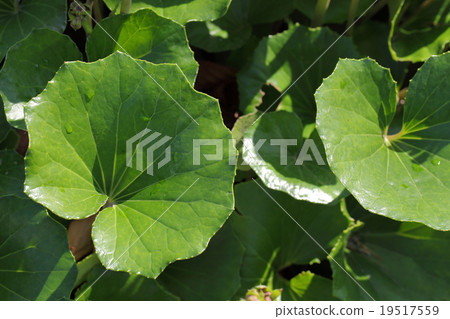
[419,29]
[18,18]
[391,260]
[35,261]
[298,167]
[234,29]
[214,275]
[404,175]
[273,241]
[277,62]
[77,162]
[180,11]
[143,35]
[29,65]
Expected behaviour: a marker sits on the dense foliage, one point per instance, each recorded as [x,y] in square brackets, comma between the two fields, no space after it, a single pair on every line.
[303,152]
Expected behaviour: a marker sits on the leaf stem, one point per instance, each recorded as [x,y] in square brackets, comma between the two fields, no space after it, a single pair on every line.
[97,10]
[389,139]
[352,14]
[319,12]
[125,7]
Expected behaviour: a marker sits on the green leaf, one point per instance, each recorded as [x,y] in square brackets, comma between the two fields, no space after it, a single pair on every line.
[299,169]
[402,175]
[419,30]
[143,35]
[11,173]
[77,163]
[214,275]
[391,260]
[35,261]
[273,241]
[19,18]
[234,29]
[28,67]
[337,11]
[119,286]
[181,11]
[276,62]
[307,286]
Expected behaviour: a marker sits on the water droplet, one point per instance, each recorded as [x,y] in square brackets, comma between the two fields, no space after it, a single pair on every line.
[36,66]
[6,173]
[89,95]
[417,168]
[15,163]
[436,162]
[68,128]
[46,61]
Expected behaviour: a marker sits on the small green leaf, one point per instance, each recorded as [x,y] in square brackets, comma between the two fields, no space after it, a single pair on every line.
[299,167]
[419,30]
[181,11]
[273,241]
[143,35]
[29,65]
[19,18]
[149,216]
[276,62]
[391,260]
[403,175]
[214,275]
[35,261]
[307,286]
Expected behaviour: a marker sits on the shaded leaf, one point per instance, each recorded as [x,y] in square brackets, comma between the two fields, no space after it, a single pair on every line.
[337,11]
[273,241]
[19,18]
[214,275]
[276,62]
[391,260]
[119,286]
[234,29]
[12,174]
[35,261]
